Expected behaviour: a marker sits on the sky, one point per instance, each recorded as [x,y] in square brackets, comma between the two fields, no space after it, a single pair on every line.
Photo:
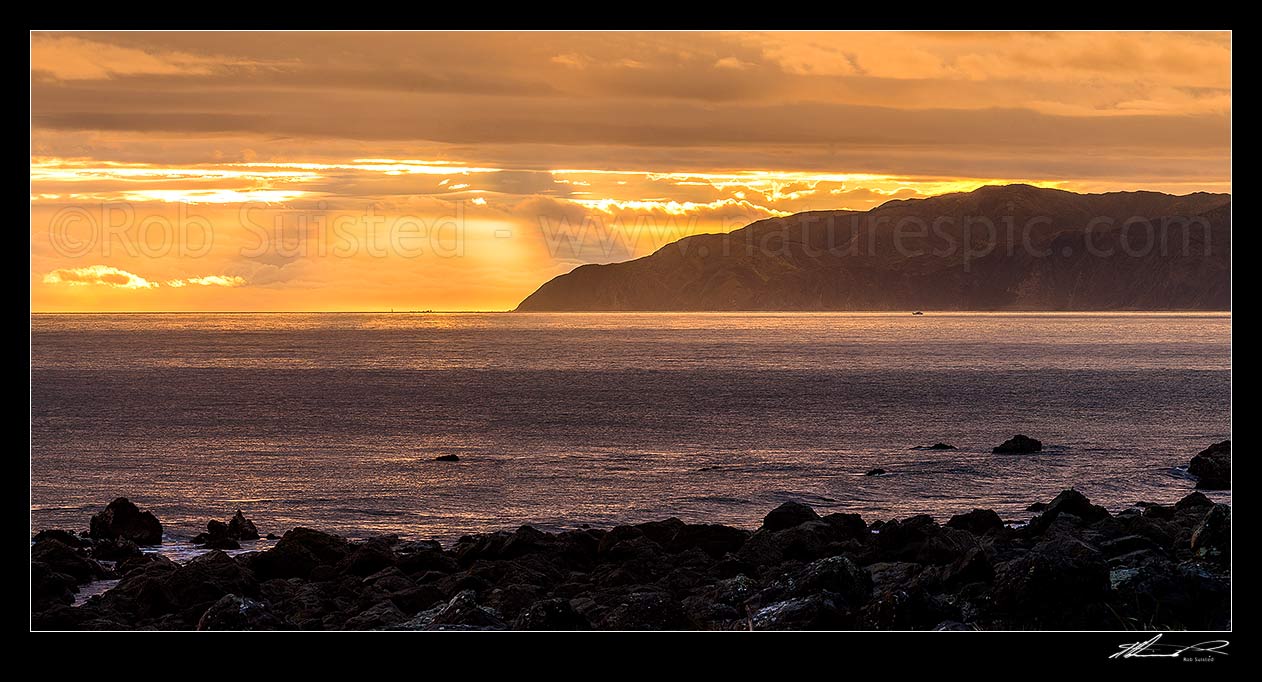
[313,171]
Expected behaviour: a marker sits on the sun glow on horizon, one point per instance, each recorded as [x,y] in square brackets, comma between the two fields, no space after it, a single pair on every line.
[391,186]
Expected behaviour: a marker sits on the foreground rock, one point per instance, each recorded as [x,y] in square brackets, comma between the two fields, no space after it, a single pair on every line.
[122,519]
[1212,467]
[1074,566]
[1019,445]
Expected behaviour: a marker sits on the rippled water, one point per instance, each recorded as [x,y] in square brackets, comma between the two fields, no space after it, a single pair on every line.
[333,420]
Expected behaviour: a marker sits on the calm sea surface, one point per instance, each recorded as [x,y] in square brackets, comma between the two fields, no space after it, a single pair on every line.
[333,420]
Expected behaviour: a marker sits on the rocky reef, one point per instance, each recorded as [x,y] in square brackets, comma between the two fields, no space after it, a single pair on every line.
[1074,565]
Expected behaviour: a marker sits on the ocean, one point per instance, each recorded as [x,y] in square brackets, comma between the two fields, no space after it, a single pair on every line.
[333,421]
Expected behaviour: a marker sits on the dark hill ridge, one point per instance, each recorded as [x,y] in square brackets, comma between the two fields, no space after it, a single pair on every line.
[1012,247]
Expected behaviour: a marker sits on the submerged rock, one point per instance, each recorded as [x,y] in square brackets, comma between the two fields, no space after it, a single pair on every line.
[1018,444]
[122,519]
[935,446]
[447,458]
[875,472]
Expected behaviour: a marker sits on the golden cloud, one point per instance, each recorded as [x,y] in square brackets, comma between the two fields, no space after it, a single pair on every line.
[98,274]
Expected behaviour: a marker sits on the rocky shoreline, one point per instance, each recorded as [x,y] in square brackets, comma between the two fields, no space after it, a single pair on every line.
[1073,566]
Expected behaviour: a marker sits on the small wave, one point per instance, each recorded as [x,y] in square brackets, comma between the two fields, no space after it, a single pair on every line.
[804,498]
[58,507]
[370,512]
[718,499]
[1178,472]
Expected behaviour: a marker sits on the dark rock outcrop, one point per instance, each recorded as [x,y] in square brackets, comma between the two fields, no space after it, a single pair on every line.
[216,537]
[122,519]
[65,537]
[241,528]
[977,522]
[120,549]
[551,614]
[935,446]
[1212,467]
[1070,503]
[1075,567]
[1211,538]
[239,613]
[788,515]
[1018,444]
[61,558]
[1061,583]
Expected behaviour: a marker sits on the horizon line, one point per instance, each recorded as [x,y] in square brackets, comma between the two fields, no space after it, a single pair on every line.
[624,312]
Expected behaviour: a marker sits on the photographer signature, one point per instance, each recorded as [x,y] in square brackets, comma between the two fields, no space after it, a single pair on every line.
[1151,649]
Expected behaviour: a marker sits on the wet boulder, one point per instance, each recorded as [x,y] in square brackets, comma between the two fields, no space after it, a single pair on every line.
[123,519]
[645,611]
[1212,467]
[50,588]
[234,613]
[119,549]
[216,537]
[822,611]
[837,575]
[1165,595]
[207,578]
[788,515]
[551,614]
[299,552]
[376,617]
[65,537]
[460,613]
[1212,538]
[977,522]
[241,528]
[713,539]
[1193,500]
[368,557]
[1068,502]
[59,558]
[1060,583]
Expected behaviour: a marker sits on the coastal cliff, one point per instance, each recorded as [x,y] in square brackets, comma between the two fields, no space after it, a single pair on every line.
[1013,247]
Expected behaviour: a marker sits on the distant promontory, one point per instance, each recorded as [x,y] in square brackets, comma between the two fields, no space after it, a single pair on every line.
[1012,247]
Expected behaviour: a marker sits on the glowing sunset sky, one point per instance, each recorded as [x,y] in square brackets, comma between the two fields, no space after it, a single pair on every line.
[459,171]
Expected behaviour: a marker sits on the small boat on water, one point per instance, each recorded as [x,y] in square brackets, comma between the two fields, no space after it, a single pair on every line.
[917,313]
